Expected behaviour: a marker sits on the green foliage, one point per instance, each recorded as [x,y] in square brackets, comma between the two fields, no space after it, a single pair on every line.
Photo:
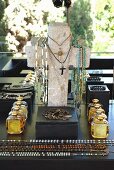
[20,20]
[106,17]
[104,27]
[81,22]
[3,45]
[26,19]
[2,6]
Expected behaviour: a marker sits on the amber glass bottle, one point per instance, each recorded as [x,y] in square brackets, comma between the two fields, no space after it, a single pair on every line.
[92,111]
[20,98]
[100,127]
[94,101]
[14,122]
[23,108]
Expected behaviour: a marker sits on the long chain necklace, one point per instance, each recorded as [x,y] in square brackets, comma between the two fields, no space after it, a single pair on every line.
[62,68]
[61,42]
[60,80]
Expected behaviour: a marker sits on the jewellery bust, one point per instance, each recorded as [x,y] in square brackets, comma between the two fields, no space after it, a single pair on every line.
[60,56]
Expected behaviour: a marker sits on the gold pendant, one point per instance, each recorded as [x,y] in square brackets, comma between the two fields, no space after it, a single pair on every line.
[60,53]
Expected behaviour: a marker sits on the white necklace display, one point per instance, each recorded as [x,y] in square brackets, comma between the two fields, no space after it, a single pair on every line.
[59,56]
[58,82]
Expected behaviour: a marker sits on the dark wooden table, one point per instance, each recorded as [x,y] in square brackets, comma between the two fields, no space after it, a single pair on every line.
[57,163]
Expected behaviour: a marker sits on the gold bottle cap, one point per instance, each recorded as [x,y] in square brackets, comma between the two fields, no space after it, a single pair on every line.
[101,116]
[19,102]
[15,108]
[100,110]
[19,98]
[95,100]
[97,105]
[14,113]
[30,73]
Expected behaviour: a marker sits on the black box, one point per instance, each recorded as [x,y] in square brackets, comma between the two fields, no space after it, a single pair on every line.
[100,92]
[7,100]
[94,80]
[17,88]
[56,129]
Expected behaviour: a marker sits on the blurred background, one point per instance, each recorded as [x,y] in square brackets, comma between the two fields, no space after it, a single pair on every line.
[90,20]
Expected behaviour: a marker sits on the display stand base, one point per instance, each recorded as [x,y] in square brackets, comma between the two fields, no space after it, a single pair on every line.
[56,129]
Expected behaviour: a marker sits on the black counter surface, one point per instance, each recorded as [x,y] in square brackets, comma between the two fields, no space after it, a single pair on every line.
[57,163]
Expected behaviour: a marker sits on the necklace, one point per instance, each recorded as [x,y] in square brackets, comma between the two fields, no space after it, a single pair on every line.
[57,114]
[60,43]
[62,68]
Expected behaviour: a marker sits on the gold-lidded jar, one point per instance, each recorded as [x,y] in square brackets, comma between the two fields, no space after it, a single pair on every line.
[94,101]
[92,111]
[15,123]
[23,107]
[20,98]
[100,126]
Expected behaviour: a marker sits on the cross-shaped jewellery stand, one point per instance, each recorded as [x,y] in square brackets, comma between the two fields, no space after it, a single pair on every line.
[62,69]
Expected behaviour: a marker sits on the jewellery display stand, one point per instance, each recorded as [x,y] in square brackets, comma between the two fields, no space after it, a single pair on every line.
[57,55]
[60,57]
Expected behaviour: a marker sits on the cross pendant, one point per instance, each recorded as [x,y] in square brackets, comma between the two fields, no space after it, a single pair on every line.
[62,69]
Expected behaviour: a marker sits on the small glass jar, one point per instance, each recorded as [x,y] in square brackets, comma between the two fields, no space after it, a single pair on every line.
[20,113]
[14,122]
[23,107]
[94,101]
[20,98]
[100,127]
[92,111]
[99,111]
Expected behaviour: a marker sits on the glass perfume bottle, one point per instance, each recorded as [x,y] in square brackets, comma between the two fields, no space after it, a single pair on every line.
[20,98]
[14,122]
[23,108]
[94,101]
[98,112]
[20,113]
[92,111]
[100,127]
